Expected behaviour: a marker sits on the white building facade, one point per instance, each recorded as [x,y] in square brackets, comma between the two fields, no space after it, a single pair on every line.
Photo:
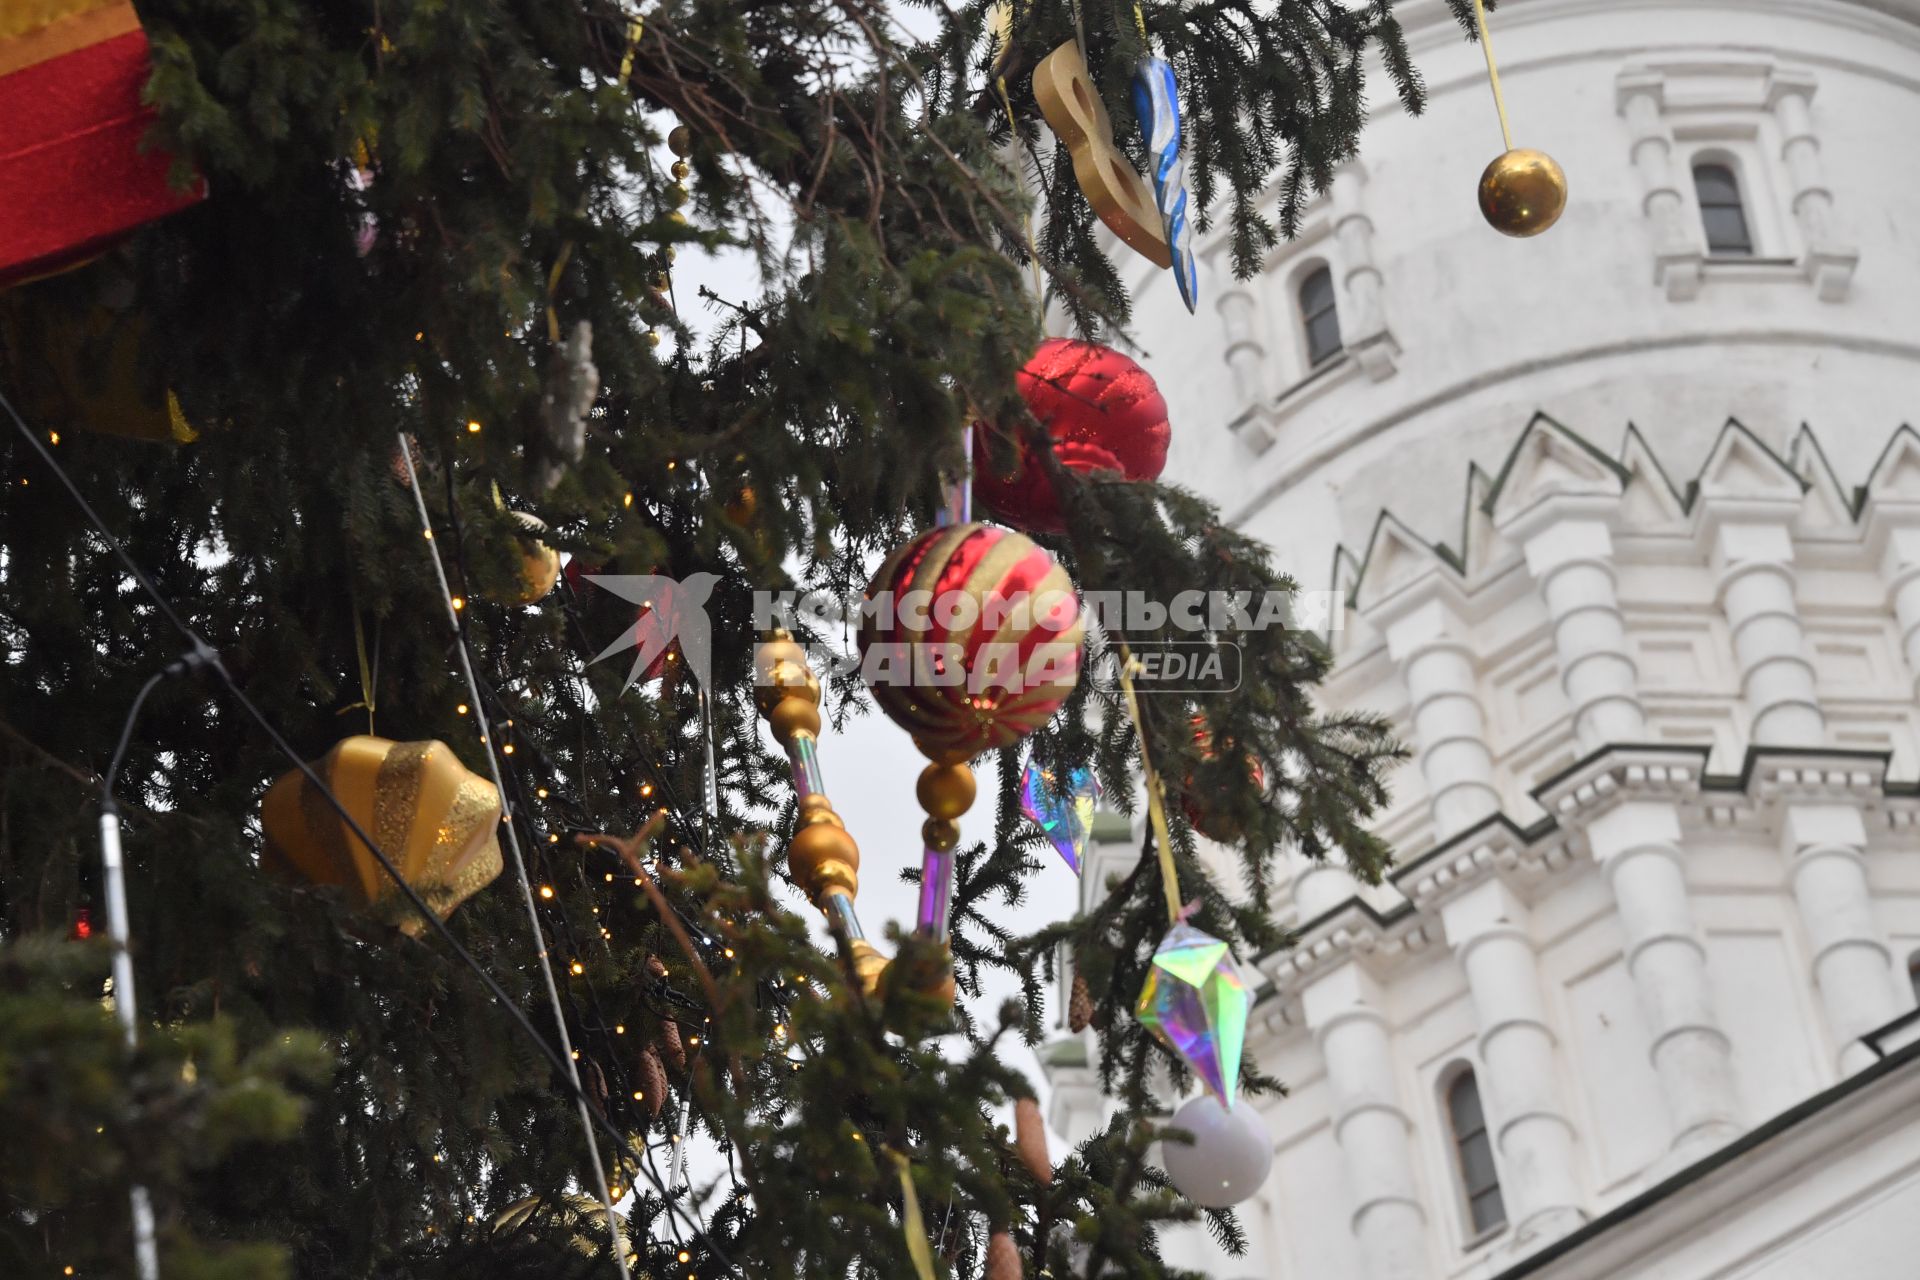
[1627,522]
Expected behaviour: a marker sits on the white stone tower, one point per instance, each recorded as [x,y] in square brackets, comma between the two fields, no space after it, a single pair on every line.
[1627,518]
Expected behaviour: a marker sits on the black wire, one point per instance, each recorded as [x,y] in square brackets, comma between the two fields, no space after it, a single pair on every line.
[209,657]
[126,735]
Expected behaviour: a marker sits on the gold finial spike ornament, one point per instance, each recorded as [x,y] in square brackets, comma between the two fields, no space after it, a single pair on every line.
[1524,191]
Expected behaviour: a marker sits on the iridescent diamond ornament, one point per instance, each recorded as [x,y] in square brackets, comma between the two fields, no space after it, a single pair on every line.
[1064,812]
[1195,1002]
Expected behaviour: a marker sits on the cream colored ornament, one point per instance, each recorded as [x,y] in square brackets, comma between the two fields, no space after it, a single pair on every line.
[1120,197]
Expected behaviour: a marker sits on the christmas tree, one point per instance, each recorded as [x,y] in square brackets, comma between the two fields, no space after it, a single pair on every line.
[434,268]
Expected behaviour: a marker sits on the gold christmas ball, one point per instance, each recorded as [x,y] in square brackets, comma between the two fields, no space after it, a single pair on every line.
[680,140]
[742,507]
[539,563]
[680,170]
[940,833]
[869,966]
[945,790]
[795,714]
[823,856]
[1523,192]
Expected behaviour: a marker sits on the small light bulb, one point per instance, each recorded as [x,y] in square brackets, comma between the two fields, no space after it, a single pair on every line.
[693,1039]
[619,1028]
[609,877]
[546,891]
[462,708]
[638,1096]
[459,603]
[507,750]
[553,837]
[685,1256]
[627,501]
[53,437]
[577,968]
[473,426]
[646,788]
[541,792]
[729,953]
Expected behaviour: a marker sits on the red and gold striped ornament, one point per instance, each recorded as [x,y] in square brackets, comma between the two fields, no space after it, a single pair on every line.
[971,640]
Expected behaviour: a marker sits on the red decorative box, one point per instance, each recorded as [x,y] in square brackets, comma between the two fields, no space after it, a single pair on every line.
[73,177]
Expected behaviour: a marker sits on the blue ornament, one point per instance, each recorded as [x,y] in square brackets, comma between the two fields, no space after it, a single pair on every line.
[1156,104]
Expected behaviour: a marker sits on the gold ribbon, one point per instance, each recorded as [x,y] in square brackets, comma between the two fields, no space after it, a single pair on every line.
[911,1221]
[1156,800]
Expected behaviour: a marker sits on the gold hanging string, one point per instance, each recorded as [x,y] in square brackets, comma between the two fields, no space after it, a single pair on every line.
[1493,72]
[911,1221]
[553,283]
[368,678]
[1156,799]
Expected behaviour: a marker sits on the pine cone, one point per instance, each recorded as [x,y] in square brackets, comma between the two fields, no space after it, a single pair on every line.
[671,1046]
[653,1081]
[1030,1140]
[398,465]
[594,1082]
[1079,1006]
[656,966]
[1003,1258]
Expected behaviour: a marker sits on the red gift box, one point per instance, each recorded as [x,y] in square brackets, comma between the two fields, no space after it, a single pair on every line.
[73,177]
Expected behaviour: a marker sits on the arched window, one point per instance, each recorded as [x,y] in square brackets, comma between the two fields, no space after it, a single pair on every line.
[1722,211]
[1473,1151]
[1319,317]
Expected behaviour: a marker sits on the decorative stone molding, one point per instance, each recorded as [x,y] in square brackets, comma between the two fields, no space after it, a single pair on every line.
[1494,850]
[1615,774]
[1363,323]
[1350,932]
[1749,500]
[1725,100]
[1489,929]
[1343,1007]
[1825,848]
[1246,355]
[1678,254]
[1426,637]
[1828,262]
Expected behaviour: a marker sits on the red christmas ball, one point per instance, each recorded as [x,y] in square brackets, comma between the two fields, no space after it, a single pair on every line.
[1103,414]
[970,639]
[1213,824]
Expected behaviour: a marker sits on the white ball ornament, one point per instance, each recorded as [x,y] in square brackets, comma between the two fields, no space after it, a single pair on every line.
[1230,1156]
